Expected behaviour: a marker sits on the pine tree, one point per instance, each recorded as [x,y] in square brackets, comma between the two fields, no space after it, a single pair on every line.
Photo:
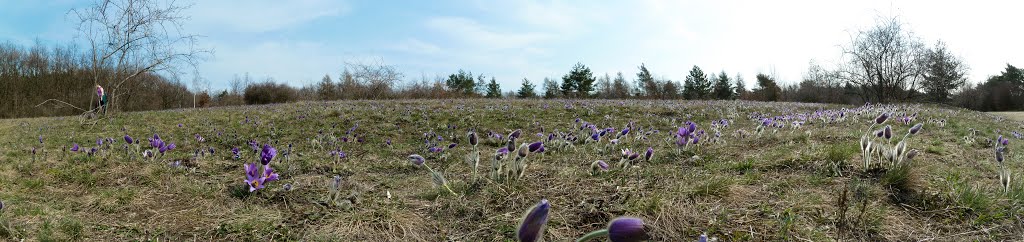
[943,73]
[526,90]
[551,88]
[579,81]
[670,90]
[620,89]
[327,90]
[481,85]
[741,88]
[645,82]
[461,82]
[493,89]
[697,85]
[723,87]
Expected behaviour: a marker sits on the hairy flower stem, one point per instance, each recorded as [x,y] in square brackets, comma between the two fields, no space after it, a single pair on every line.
[593,235]
[445,185]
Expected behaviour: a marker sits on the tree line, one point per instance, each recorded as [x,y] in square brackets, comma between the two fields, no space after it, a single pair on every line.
[883,63]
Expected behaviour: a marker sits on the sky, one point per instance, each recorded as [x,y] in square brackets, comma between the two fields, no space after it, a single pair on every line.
[299,42]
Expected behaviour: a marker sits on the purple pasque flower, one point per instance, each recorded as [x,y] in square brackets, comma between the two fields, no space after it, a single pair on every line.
[473,139]
[627,229]
[99,142]
[74,147]
[629,154]
[881,118]
[602,165]
[649,154]
[267,154]
[128,139]
[887,132]
[524,150]
[156,142]
[416,159]
[452,145]
[917,128]
[515,134]
[269,175]
[257,180]
[387,142]
[531,228]
[501,153]
[435,149]
[236,152]
[536,147]
[252,177]
[254,145]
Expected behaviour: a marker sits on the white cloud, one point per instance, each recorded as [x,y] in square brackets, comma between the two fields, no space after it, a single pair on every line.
[261,15]
[297,63]
[469,32]
[416,46]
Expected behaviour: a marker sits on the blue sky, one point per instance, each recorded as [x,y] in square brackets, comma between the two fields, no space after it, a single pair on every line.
[298,42]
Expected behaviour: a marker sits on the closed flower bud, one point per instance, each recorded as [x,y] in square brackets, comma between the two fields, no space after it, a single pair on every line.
[881,118]
[627,229]
[416,159]
[531,228]
[917,128]
[472,139]
[911,154]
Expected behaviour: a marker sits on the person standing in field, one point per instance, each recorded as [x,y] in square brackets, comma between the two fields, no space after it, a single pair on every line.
[103,98]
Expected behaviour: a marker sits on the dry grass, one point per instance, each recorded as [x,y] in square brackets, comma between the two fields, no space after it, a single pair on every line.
[1017,116]
[776,186]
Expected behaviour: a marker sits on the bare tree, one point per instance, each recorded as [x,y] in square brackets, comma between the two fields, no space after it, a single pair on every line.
[884,61]
[376,77]
[131,37]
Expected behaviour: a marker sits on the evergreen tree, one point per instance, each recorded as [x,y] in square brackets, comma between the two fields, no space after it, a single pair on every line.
[670,90]
[767,88]
[579,81]
[493,89]
[461,82]
[620,89]
[943,73]
[568,86]
[697,85]
[723,87]
[327,90]
[741,88]
[645,83]
[481,85]
[551,88]
[526,90]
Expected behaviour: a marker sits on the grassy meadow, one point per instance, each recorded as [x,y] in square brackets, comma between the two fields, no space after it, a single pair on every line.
[769,172]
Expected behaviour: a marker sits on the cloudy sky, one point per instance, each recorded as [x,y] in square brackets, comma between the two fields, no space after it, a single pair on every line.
[301,41]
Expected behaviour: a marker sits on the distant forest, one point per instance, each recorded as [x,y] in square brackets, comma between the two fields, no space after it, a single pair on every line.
[885,63]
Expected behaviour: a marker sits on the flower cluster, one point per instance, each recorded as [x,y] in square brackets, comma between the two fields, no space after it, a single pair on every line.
[255,179]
